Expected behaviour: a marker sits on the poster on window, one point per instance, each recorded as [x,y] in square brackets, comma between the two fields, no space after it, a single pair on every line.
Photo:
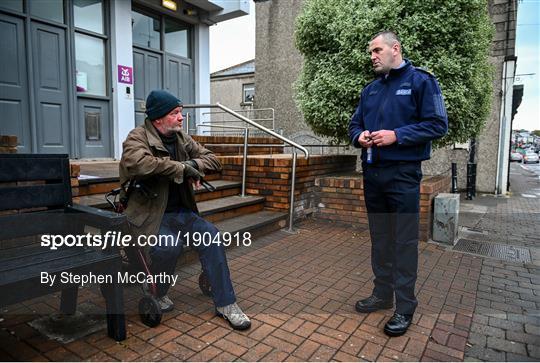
[82,81]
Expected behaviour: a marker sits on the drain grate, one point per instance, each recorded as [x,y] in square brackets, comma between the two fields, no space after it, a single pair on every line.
[497,250]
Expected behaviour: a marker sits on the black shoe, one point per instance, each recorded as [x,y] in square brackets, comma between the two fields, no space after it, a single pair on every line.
[373,303]
[398,324]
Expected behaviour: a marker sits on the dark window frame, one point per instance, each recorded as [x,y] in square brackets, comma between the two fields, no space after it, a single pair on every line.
[150,13]
[244,88]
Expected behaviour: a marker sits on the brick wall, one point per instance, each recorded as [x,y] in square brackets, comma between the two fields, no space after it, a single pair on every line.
[8,144]
[217,139]
[270,176]
[234,145]
[341,199]
[75,172]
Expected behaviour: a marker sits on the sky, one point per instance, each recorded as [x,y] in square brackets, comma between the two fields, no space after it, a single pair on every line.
[233,42]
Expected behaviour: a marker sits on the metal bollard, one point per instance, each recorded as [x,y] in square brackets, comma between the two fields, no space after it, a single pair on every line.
[474,180]
[471,181]
[454,178]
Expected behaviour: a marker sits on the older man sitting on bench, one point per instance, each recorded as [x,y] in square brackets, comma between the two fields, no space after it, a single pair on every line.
[168,162]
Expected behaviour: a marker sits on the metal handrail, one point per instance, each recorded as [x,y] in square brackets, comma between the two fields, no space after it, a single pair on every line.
[251,145]
[277,145]
[274,134]
[234,120]
[244,162]
[249,110]
[256,125]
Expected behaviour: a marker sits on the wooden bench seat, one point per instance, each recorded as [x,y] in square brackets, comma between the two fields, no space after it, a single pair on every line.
[35,200]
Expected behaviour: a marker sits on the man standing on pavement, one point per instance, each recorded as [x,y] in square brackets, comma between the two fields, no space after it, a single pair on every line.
[397,117]
[165,162]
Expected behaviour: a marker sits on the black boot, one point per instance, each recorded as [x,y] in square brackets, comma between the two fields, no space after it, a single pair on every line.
[373,303]
[398,324]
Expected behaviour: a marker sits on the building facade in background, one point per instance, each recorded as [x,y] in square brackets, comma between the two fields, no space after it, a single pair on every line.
[74,74]
[234,87]
[279,63]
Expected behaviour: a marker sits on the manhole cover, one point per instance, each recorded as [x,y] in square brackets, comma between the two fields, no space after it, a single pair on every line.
[497,250]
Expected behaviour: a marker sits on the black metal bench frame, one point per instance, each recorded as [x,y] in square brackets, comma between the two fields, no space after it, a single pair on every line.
[35,199]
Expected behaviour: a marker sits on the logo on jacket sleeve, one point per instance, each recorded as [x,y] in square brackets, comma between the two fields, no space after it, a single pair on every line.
[403,92]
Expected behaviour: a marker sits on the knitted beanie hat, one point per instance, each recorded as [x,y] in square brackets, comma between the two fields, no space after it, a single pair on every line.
[159,103]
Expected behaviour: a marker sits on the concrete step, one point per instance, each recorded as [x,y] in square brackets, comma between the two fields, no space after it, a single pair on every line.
[228,207]
[257,224]
[94,186]
[213,210]
[102,169]
[89,184]
[224,188]
[100,177]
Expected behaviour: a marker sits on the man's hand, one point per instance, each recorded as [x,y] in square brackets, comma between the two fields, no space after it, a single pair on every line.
[196,184]
[192,174]
[365,139]
[383,137]
[192,163]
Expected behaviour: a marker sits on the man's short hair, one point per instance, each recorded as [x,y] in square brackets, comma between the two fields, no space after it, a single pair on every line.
[389,37]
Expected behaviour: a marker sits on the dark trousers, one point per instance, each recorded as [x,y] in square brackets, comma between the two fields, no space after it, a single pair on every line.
[212,257]
[392,196]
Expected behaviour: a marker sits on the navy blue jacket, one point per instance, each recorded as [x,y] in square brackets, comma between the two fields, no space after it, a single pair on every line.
[408,101]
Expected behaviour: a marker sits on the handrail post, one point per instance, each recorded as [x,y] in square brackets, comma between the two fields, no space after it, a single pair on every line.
[293,180]
[244,165]
[262,128]
[274,134]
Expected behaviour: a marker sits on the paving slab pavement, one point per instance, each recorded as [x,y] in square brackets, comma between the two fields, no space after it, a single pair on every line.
[300,290]
[506,319]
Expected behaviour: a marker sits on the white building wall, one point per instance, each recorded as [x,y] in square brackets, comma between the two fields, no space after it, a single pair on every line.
[505,122]
[121,54]
[202,68]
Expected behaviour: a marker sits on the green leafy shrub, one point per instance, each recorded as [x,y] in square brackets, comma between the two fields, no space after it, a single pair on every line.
[450,38]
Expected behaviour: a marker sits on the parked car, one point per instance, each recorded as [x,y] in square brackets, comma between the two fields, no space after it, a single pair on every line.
[531,157]
[515,156]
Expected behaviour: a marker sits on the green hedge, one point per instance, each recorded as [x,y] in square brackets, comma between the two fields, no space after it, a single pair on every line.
[450,38]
